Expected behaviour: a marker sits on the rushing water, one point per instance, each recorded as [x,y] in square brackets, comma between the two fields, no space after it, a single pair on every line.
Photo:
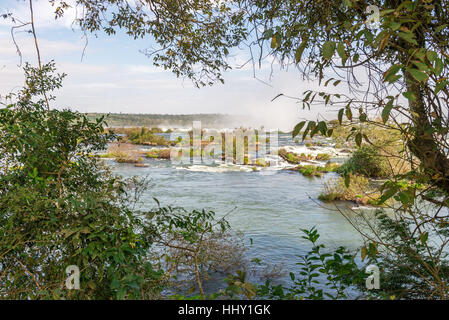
[271,205]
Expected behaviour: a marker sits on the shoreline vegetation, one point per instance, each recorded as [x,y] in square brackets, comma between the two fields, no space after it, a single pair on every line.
[365,165]
[131,120]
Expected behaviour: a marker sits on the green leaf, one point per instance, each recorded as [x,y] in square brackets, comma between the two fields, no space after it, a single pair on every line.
[322,127]
[390,75]
[418,75]
[438,29]
[276,41]
[439,66]
[386,112]
[340,115]
[328,49]
[407,197]
[408,36]
[372,248]
[310,125]
[421,66]
[364,252]
[423,237]
[348,113]
[300,50]
[440,86]
[306,98]
[394,25]
[431,55]
[347,180]
[362,117]
[341,52]
[388,194]
[298,128]
[358,139]
[409,95]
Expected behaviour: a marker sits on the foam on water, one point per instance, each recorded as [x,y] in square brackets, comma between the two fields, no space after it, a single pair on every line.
[216,169]
[334,153]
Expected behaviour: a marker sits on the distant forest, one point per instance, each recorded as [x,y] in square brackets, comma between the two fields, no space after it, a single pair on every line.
[167,120]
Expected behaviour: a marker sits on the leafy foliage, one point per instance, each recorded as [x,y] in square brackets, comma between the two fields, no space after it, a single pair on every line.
[412,266]
[59,206]
[192,38]
[366,161]
[322,275]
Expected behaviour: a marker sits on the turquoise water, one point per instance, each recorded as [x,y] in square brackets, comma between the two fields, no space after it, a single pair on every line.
[269,206]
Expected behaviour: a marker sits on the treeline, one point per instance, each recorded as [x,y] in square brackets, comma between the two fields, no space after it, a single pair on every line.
[172,120]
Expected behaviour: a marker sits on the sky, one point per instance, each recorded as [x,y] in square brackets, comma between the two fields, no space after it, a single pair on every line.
[113,76]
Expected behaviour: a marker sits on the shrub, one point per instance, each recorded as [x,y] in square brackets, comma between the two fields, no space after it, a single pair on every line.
[144,136]
[338,267]
[323,156]
[366,161]
[310,171]
[63,207]
[331,167]
[152,154]
[156,130]
[159,153]
[359,191]
[164,154]
[124,153]
[292,158]
[317,171]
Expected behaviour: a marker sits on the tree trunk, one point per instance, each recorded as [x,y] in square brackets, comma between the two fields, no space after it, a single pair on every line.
[424,145]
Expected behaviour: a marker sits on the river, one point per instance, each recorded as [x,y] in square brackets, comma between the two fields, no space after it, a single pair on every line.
[269,206]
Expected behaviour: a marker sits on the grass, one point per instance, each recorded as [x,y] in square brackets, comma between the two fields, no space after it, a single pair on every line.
[359,191]
[316,171]
[158,154]
[123,153]
[367,161]
[143,135]
[294,158]
[291,157]
[323,156]
[310,171]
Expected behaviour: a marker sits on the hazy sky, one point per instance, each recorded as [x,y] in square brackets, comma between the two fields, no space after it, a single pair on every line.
[115,77]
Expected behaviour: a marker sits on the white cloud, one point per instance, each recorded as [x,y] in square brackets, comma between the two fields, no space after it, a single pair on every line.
[28,48]
[116,78]
[44,13]
[143,69]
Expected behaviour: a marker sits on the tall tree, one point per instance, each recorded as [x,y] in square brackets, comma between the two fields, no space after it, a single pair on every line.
[404,56]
